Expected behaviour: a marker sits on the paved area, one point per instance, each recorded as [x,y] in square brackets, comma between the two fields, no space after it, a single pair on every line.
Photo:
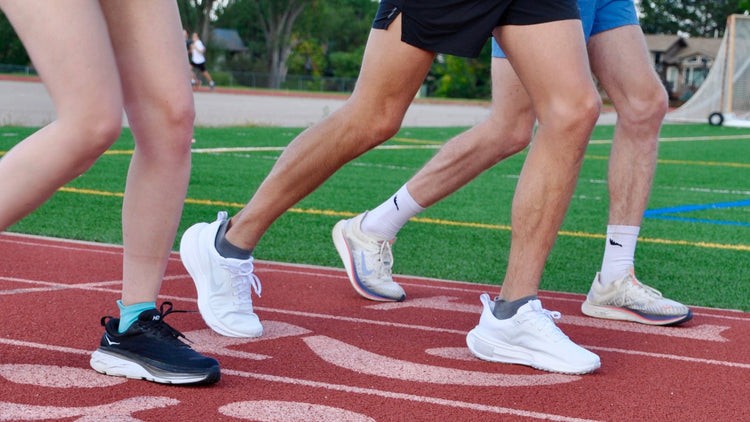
[28,104]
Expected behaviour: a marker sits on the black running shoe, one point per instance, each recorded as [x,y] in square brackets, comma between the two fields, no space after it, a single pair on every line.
[152,350]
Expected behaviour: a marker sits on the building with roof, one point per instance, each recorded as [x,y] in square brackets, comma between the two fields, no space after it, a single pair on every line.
[228,40]
[682,62]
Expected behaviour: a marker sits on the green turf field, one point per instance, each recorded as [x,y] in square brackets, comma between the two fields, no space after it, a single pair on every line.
[695,239]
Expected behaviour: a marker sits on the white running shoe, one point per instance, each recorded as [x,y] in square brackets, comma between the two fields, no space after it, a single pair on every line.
[628,299]
[531,338]
[224,285]
[368,261]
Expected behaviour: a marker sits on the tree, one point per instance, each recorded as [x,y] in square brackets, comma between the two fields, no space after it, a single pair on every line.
[273,20]
[11,49]
[277,18]
[338,30]
[693,17]
[196,16]
[460,77]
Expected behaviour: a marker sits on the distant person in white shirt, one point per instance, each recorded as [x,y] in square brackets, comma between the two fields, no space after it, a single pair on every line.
[198,52]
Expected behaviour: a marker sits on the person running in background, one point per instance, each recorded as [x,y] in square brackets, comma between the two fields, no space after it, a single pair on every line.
[116,64]
[189,46]
[198,55]
[364,242]
[544,41]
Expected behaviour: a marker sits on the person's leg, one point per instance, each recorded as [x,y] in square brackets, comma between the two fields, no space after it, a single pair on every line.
[210,80]
[392,72]
[551,61]
[196,76]
[218,255]
[363,242]
[506,131]
[641,103]
[159,105]
[78,69]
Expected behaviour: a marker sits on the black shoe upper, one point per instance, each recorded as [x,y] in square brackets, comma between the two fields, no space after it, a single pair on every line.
[152,342]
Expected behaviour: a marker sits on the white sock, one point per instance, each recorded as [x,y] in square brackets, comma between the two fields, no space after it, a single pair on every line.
[387,219]
[619,252]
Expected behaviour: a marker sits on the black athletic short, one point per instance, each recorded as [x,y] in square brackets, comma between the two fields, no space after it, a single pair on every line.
[462,27]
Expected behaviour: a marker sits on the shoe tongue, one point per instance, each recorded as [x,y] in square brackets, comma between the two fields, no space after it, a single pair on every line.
[150,315]
[532,305]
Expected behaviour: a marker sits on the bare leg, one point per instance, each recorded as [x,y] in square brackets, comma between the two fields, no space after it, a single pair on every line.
[208,76]
[159,105]
[392,72]
[567,106]
[506,131]
[84,85]
[641,103]
[550,60]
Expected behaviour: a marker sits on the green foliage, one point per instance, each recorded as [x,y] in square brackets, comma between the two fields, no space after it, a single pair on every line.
[11,49]
[694,17]
[328,37]
[308,58]
[458,77]
[346,64]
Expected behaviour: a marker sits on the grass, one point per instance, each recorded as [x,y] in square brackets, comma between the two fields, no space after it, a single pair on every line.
[698,255]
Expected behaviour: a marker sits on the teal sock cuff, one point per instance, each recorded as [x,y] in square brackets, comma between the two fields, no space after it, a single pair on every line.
[129,314]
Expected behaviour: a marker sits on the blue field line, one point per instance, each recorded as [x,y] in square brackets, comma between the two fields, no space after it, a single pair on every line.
[700,220]
[660,213]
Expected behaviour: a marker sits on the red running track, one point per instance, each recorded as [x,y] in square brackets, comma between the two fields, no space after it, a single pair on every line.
[329,355]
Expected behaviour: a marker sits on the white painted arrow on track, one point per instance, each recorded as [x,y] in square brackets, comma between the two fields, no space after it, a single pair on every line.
[350,357]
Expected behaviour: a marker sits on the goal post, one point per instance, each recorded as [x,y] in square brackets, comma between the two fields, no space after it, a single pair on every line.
[724,97]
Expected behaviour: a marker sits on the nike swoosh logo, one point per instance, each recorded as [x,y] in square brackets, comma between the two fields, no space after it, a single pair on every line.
[109,341]
[395,202]
[364,270]
[613,243]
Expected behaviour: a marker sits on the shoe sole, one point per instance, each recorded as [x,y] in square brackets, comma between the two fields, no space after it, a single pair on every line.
[623,314]
[487,350]
[196,274]
[109,363]
[342,247]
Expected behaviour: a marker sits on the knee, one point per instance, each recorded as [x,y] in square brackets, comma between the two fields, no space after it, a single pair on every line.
[104,131]
[585,112]
[181,120]
[509,135]
[645,109]
[573,116]
[94,135]
[165,131]
[381,128]
[371,117]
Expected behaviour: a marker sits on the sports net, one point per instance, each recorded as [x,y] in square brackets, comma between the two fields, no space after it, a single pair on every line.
[725,94]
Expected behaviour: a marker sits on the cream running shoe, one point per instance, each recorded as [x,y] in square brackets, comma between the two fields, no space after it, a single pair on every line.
[531,338]
[368,261]
[628,299]
[224,285]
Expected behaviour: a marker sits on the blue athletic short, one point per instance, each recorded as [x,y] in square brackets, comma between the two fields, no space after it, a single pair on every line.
[597,16]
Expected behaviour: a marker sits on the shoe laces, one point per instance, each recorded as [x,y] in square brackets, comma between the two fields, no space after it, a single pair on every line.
[157,326]
[386,259]
[641,294]
[162,327]
[244,282]
[544,322]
